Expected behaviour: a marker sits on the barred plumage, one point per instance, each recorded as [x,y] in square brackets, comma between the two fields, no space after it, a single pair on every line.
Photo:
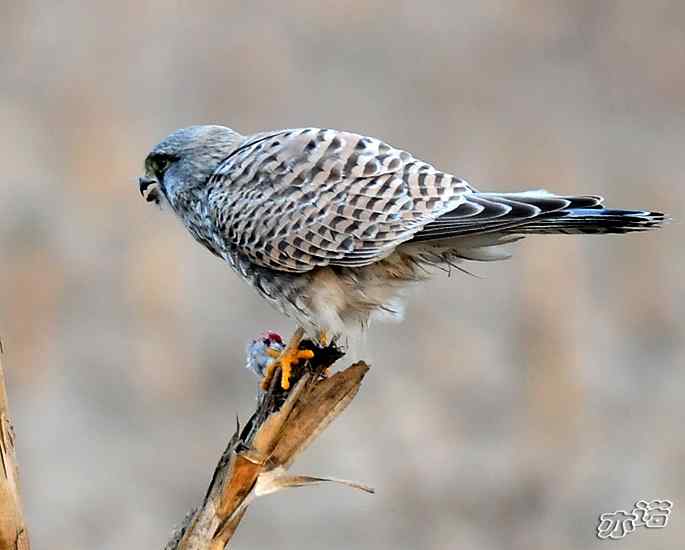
[329,226]
[300,199]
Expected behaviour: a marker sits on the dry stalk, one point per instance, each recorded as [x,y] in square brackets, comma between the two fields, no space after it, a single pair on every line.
[257,457]
[13,534]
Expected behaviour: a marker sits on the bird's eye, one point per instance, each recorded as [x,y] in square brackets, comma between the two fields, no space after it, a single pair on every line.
[161,164]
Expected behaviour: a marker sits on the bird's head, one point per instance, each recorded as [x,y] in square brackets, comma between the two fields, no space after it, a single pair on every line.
[184,161]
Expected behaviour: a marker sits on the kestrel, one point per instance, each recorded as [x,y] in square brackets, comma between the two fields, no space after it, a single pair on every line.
[331,226]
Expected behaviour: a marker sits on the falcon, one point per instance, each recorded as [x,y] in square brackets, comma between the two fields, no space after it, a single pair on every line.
[331,226]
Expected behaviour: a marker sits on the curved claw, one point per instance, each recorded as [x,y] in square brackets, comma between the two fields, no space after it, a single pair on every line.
[286,359]
[288,362]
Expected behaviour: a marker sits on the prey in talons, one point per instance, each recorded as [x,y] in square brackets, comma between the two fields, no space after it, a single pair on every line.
[268,355]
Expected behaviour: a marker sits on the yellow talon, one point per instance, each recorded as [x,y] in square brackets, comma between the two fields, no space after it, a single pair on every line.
[287,363]
[271,352]
[290,356]
[268,374]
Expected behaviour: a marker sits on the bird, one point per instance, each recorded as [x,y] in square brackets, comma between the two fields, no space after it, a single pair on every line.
[261,351]
[267,352]
[331,226]
[262,356]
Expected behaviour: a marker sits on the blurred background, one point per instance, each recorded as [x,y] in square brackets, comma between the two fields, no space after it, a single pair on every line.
[508,411]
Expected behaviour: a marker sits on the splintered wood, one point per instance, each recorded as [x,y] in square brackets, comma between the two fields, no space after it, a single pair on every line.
[257,457]
[13,535]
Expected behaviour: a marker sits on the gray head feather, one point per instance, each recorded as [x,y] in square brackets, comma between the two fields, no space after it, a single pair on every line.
[183,162]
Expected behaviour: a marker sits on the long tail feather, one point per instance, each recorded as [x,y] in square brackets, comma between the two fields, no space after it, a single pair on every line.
[590,221]
[535,212]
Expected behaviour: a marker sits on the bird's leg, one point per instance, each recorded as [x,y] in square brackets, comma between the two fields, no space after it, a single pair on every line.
[325,342]
[291,355]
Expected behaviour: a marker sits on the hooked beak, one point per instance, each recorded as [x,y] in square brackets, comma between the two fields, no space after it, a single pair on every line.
[151,195]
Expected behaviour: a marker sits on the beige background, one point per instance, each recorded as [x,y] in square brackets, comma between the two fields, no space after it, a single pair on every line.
[507,412]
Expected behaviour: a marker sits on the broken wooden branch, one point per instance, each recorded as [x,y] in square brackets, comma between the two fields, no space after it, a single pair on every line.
[13,534]
[257,457]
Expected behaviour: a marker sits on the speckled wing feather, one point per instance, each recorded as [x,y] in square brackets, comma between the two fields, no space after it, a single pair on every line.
[297,199]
